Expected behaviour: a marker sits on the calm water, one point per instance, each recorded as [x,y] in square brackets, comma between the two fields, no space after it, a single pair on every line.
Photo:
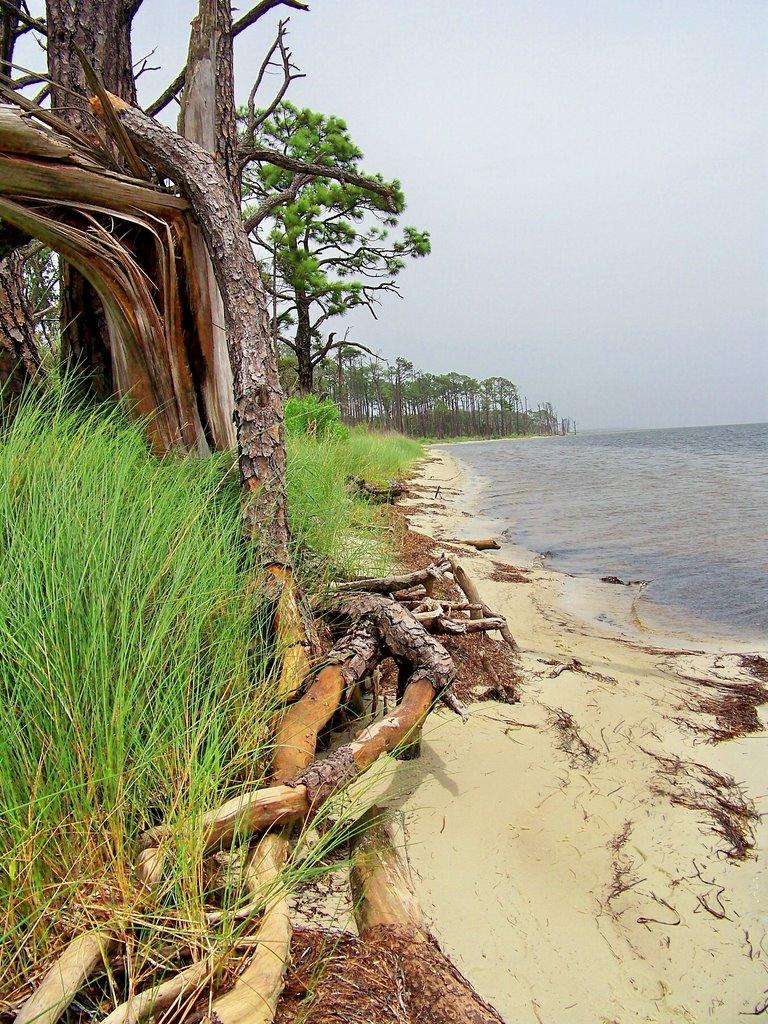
[684,508]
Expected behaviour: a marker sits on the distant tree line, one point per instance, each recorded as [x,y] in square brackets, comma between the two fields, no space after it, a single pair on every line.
[397,396]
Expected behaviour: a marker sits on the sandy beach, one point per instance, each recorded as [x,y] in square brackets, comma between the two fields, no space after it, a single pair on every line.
[595,852]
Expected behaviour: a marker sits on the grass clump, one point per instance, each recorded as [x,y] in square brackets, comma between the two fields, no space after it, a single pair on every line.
[136,666]
[134,673]
[345,533]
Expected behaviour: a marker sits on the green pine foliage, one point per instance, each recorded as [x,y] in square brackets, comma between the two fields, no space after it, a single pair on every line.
[335,246]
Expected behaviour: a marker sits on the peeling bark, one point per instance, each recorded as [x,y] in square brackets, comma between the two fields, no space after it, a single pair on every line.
[103,33]
[258,396]
[207,117]
[207,114]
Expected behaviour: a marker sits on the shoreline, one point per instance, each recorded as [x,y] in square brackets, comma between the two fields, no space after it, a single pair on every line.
[586,599]
[589,853]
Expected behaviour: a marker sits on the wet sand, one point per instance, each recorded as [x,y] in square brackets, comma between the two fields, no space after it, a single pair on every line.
[589,854]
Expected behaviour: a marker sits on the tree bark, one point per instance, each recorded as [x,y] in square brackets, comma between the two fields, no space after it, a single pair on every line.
[102,30]
[258,396]
[19,358]
[303,346]
[207,117]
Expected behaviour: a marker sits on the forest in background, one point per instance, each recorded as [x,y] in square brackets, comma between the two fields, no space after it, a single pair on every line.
[397,396]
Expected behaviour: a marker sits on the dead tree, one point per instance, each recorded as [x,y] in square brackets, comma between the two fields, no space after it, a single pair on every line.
[102,30]
[257,394]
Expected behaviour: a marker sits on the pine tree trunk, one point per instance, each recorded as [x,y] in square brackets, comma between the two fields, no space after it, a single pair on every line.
[303,344]
[257,392]
[19,358]
[102,29]
[207,117]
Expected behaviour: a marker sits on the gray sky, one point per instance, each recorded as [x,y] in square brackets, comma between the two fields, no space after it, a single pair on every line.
[594,174]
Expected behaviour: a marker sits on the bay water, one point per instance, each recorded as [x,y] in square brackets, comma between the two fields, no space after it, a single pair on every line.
[683,509]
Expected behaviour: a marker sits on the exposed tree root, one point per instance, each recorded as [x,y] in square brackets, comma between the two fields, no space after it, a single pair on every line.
[377,626]
[291,635]
[82,958]
[254,996]
[256,992]
[389,917]
[174,992]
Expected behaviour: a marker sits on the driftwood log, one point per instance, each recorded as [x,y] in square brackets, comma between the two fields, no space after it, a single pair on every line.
[388,915]
[395,584]
[394,489]
[479,608]
[484,544]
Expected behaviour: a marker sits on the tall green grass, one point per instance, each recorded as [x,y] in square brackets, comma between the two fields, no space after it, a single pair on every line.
[349,534]
[136,672]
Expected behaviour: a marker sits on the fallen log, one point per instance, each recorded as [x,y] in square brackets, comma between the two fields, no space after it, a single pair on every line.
[472,594]
[394,489]
[484,544]
[388,916]
[80,960]
[390,584]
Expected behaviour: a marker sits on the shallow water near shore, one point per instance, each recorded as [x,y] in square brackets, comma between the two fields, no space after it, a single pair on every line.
[684,509]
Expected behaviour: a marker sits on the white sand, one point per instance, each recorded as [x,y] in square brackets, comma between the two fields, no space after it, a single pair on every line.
[554,866]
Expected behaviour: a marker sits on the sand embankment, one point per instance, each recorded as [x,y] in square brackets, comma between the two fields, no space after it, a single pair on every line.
[585,855]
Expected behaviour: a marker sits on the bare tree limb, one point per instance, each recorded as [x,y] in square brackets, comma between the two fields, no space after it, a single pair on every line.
[288,195]
[34,23]
[248,19]
[318,358]
[252,16]
[290,74]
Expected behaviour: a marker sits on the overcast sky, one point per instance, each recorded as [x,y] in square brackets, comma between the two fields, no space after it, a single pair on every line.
[594,174]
